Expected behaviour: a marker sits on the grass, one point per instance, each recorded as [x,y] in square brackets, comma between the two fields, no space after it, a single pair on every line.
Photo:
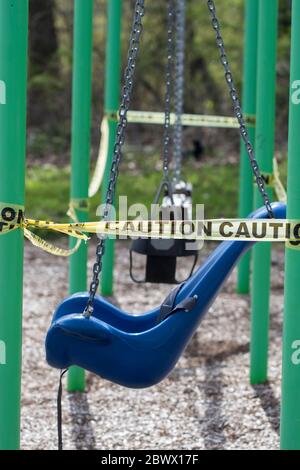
[47,189]
[47,192]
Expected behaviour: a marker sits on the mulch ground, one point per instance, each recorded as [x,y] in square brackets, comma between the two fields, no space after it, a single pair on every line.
[206,403]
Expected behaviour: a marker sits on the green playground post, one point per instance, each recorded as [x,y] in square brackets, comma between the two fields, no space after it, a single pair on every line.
[264,146]
[81,147]
[13,81]
[112,98]
[249,108]
[290,408]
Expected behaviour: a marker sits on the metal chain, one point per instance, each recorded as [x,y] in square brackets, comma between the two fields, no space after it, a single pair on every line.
[136,31]
[168,96]
[238,109]
[179,87]
[135,36]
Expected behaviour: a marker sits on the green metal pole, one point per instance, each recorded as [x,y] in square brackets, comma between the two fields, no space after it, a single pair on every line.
[264,145]
[81,146]
[290,408]
[13,78]
[112,98]
[249,108]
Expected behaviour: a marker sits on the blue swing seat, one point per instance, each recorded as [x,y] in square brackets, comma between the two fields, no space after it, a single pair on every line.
[139,351]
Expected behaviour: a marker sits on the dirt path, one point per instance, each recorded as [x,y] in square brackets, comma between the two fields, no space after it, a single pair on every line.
[206,403]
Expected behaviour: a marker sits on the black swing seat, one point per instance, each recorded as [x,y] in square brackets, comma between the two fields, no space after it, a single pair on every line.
[141,350]
[161,255]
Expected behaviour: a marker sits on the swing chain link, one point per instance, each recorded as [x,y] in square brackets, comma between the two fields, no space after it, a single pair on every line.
[238,109]
[168,95]
[179,87]
[134,45]
[135,37]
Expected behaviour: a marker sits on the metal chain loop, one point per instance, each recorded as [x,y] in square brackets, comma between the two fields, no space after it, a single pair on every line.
[238,109]
[179,87]
[134,44]
[168,96]
[129,74]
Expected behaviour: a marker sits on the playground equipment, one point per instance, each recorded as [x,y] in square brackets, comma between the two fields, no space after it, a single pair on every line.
[140,351]
[265,126]
[157,118]
[249,105]
[80,149]
[161,255]
[13,40]
[70,337]
[83,28]
[290,410]
[13,73]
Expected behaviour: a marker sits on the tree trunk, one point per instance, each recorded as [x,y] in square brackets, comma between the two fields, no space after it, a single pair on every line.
[42,38]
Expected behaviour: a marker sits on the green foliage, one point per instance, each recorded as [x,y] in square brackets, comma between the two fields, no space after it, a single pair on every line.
[47,190]
[215,186]
[50,107]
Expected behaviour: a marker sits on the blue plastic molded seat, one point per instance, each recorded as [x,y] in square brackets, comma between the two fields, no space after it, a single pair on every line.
[135,350]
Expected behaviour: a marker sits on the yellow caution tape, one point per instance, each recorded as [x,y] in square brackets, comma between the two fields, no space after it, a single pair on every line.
[266,230]
[112,116]
[195,120]
[44,244]
[277,184]
[101,160]
[81,205]
[272,180]
[49,247]
[12,217]
[293,245]
[268,179]
[261,230]
[67,229]
[279,230]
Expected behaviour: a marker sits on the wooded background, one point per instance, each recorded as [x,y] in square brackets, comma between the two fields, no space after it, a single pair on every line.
[50,71]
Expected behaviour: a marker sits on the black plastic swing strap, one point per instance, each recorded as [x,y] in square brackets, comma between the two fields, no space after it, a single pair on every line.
[59,411]
[168,307]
